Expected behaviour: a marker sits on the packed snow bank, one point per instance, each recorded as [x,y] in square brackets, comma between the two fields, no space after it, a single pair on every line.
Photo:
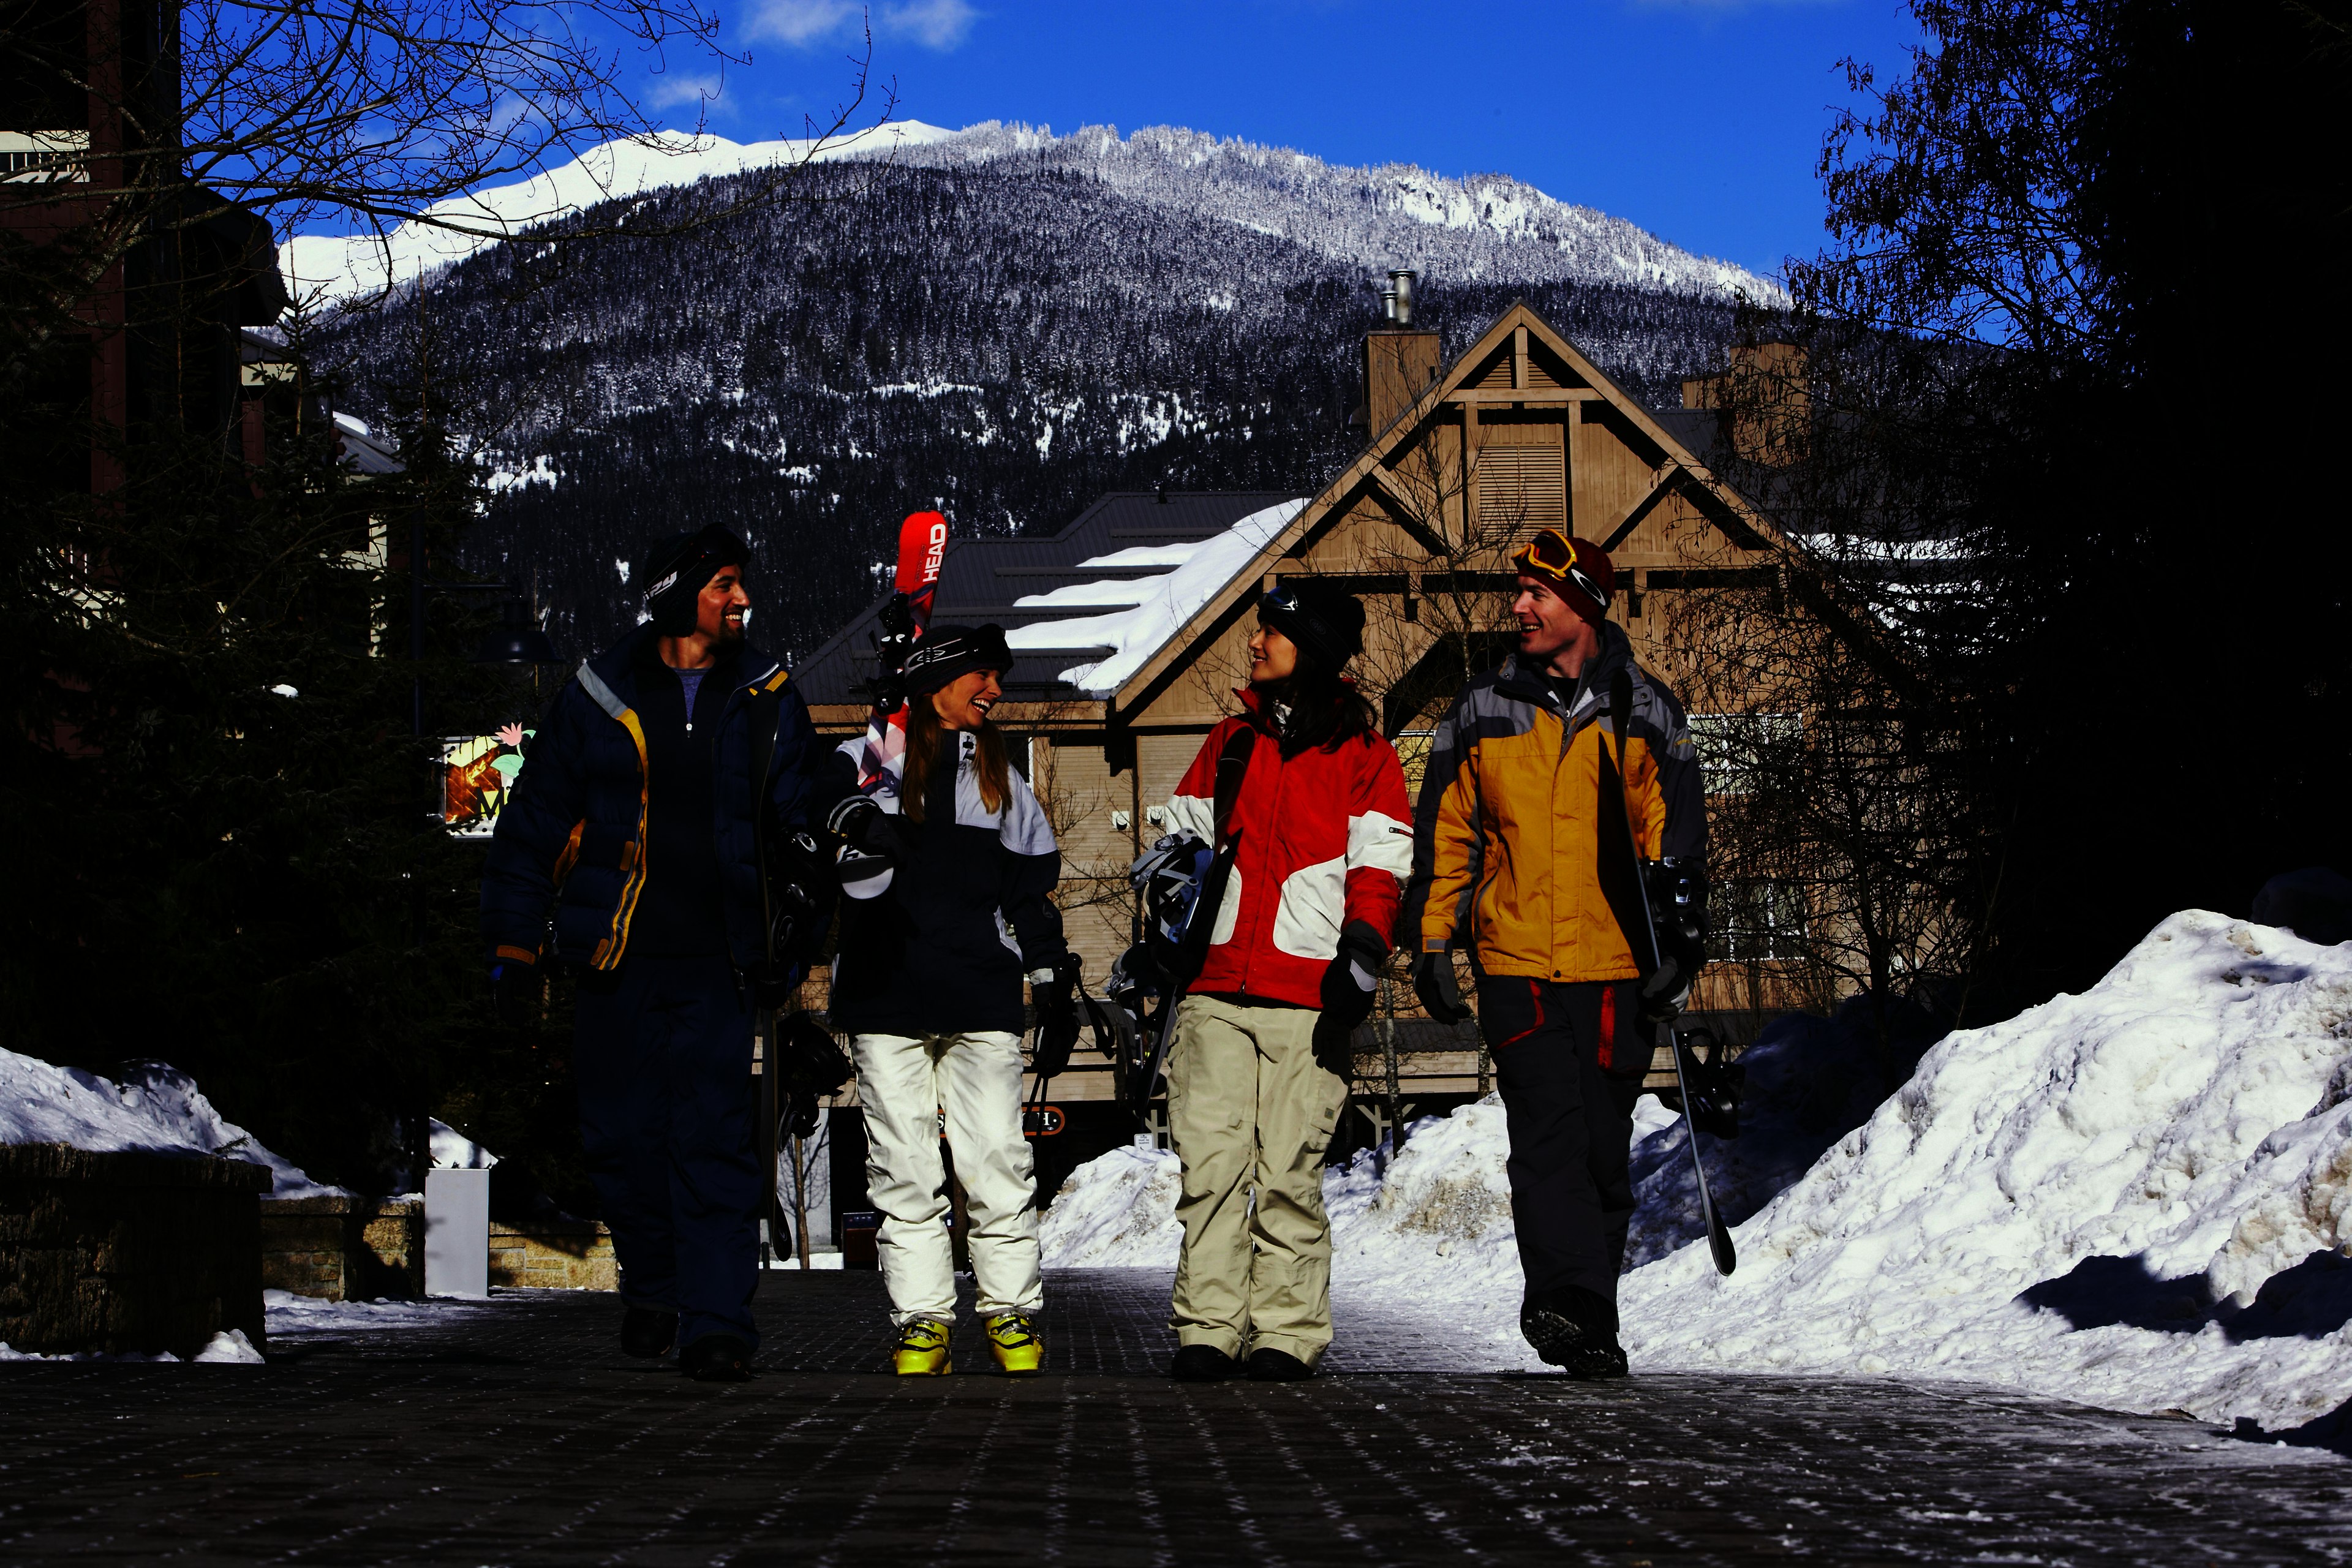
[1809,1081]
[2140,1197]
[154,1109]
[2126,1197]
[1116,1211]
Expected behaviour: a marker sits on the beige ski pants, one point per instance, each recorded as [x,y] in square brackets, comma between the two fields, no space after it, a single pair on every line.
[1251,1113]
[904,1083]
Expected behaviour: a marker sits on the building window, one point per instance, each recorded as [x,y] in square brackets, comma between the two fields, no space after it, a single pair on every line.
[1412,747]
[1755,920]
[1736,751]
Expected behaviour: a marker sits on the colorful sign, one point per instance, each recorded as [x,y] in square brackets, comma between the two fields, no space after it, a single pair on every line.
[477,773]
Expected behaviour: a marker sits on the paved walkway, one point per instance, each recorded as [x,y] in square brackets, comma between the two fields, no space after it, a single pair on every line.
[517,1433]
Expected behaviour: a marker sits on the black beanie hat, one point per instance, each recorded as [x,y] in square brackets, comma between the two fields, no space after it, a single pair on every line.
[1327,626]
[677,569]
[946,652]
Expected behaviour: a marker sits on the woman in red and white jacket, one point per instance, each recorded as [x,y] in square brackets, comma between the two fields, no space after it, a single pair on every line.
[1257,1079]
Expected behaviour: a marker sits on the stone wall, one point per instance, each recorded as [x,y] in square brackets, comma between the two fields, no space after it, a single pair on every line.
[127,1253]
[343,1249]
[553,1255]
[356,1249]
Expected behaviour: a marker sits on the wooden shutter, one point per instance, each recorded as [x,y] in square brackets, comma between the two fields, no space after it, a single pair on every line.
[1522,488]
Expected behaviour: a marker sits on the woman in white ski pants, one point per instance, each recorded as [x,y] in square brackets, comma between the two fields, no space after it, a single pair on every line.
[948,864]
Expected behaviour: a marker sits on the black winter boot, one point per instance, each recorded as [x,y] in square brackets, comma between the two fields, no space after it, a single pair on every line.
[1267,1365]
[717,1358]
[647,1331]
[1203,1363]
[1575,1330]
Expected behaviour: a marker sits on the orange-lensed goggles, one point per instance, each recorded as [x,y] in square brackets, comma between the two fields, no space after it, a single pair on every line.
[1551,554]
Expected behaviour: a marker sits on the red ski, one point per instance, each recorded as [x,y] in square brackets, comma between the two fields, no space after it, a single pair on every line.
[923,542]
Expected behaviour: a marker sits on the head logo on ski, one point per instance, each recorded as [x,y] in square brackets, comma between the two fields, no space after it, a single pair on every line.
[922,544]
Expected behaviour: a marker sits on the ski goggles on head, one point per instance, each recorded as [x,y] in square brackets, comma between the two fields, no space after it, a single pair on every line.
[1552,556]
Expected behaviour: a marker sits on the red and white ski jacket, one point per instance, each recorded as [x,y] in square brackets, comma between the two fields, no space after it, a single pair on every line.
[1322,839]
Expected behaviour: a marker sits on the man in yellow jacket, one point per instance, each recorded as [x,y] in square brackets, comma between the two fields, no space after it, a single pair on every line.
[1555,781]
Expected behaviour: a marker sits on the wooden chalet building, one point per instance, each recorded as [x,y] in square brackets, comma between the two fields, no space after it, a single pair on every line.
[1129,624]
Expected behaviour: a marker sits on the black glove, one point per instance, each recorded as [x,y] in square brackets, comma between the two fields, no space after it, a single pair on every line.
[1349,984]
[1433,982]
[514,993]
[862,823]
[1663,994]
[869,846]
[1057,1015]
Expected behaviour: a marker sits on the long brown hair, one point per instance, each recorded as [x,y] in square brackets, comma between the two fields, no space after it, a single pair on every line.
[923,732]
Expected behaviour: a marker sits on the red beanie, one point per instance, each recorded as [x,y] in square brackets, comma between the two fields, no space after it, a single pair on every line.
[1576,569]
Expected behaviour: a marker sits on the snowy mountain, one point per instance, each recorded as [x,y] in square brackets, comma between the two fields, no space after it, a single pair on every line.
[1477,227]
[997,323]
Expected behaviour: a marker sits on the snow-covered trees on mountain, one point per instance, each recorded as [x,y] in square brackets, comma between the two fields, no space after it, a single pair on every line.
[997,329]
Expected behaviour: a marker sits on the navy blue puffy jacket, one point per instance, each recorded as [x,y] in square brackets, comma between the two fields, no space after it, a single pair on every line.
[573,832]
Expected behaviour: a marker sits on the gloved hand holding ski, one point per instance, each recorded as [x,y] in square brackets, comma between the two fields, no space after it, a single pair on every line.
[1053,989]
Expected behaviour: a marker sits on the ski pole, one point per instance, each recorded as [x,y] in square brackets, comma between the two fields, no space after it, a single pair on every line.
[1718,1235]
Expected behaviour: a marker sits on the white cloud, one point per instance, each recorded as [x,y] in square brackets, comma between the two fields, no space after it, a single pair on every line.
[799,22]
[939,25]
[934,24]
[670,91]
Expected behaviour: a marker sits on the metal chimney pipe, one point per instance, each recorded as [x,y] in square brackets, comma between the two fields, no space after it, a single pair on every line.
[1400,294]
[1389,304]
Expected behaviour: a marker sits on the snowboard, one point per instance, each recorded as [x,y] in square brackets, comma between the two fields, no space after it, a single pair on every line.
[922,542]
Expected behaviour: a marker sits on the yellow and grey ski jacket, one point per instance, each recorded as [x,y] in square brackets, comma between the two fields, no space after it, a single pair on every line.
[1506,844]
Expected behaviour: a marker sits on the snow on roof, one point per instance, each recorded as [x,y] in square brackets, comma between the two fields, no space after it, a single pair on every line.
[1136,635]
[1112,591]
[321,268]
[1146,555]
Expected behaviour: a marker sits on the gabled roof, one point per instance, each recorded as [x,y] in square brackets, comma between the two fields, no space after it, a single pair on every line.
[1085,598]
[1683,467]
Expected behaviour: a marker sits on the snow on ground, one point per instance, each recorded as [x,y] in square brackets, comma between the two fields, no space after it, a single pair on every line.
[287,1314]
[2135,1197]
[229,1347]
[1200,572]
[153,1109]
[2140,1197]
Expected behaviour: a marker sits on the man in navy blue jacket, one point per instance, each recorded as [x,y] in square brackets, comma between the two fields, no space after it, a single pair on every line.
[641,816]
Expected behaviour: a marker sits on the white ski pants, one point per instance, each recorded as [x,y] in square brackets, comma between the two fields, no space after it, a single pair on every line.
[904,1083]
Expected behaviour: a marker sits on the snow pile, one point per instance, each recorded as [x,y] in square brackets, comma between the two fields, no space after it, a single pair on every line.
[229,1347]
[2140,1197]
[2128,1197]
[1116,1211]
[1200,572]
[154,1109]
[1434,1223]
[1809,1081]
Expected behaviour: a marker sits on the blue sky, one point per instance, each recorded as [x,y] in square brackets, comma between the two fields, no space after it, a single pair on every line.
[1700,120]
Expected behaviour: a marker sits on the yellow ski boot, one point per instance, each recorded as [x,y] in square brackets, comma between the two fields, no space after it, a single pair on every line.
[921,1350]
[1014,1340]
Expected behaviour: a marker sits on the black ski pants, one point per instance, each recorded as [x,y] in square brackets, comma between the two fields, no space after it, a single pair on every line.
[662,1051]
[1569,1063]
